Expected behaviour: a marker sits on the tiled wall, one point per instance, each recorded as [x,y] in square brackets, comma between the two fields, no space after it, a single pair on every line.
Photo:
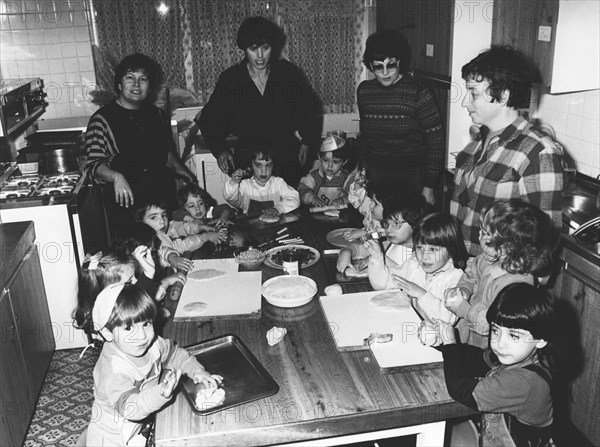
[575,118]
[50,40]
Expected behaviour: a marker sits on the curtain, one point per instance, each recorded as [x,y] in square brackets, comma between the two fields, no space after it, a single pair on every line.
[134,26]
[324,39]
[213,26]
[195,41]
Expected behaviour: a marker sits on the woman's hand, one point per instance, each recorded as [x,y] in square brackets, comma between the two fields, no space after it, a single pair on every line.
[408,287]
[238,175]
[225,160]
[123,193]
[338,202]
[187,176]
[143,256]
[303,154]
[428,194]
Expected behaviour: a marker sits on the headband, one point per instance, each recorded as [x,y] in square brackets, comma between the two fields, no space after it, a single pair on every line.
[105,302]
[332,143]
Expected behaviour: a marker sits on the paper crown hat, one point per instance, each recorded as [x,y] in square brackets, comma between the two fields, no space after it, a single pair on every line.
[332,143]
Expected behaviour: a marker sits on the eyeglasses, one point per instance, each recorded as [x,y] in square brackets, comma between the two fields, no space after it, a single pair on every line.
[381,66]
[393,224]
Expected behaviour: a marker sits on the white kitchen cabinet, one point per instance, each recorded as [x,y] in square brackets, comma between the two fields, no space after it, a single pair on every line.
[209,175]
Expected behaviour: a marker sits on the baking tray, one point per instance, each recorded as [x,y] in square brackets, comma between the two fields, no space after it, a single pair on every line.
[244,378]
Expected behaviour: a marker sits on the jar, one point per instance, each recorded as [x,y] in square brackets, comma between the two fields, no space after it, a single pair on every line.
[290,262]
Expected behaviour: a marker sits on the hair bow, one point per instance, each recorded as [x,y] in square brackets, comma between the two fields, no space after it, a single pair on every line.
[93,260]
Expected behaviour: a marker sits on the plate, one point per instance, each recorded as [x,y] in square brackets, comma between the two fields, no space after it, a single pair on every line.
[289,290]
[336,237]
[274,263]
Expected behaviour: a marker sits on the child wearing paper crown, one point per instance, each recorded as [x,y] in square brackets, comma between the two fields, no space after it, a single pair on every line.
[126,376]
[330,182]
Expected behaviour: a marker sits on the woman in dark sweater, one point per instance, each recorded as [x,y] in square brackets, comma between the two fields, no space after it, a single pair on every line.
[401,134]
[261,98]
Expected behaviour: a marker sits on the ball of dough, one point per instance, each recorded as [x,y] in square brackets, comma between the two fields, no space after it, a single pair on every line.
[206,401]
[334,289]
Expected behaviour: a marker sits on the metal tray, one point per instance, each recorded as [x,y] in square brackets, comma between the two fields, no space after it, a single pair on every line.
[244,378]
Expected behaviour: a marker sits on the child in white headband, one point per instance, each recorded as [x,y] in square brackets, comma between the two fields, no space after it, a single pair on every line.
[126,376]
[97,272]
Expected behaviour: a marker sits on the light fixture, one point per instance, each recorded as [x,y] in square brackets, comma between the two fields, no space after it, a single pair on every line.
[162,9]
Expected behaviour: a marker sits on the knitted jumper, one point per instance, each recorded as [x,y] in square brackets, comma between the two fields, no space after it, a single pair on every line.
[402,123]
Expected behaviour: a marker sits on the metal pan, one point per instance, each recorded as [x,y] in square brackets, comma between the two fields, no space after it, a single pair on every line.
[244,378]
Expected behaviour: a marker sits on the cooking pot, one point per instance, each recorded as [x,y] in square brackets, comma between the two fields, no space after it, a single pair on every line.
[52,160]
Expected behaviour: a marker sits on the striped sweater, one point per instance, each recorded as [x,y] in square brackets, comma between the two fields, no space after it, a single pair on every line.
[402,123]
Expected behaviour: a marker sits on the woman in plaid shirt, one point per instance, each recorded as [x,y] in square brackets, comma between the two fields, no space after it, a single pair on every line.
[507,158]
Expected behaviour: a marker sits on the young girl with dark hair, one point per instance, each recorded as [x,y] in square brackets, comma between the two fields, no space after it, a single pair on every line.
[437,263]
[126,376]
[510,382]
[517,240]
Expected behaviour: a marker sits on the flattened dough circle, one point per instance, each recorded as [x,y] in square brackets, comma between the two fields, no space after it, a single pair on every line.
[391,301]
[266,218]
[202,274]
[197,307]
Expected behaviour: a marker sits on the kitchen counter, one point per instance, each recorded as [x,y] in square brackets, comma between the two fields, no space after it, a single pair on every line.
[15,241]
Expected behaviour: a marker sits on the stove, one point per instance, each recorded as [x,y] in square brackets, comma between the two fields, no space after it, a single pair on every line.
[15,187]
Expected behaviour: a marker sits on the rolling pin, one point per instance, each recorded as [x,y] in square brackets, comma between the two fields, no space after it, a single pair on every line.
[319,209]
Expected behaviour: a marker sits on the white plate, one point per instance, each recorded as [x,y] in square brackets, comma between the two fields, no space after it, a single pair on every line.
[287,290]
[269,262]
[336,237]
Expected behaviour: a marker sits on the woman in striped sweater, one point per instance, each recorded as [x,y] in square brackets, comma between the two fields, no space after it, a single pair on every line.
[129,144]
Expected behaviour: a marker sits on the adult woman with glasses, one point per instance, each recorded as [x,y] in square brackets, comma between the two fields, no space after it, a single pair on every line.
[262,98]
[401,134]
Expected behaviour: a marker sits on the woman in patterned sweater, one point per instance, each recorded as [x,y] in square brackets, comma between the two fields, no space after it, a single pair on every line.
[401,131]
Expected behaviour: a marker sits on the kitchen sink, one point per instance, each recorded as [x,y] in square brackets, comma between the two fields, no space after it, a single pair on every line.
[579,208]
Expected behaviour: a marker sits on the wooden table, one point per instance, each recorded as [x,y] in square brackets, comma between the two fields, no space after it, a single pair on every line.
[324,394]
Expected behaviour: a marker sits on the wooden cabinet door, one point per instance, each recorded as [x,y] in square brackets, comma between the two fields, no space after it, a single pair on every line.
[517,23]
[32,316]
[584,392]
[16,398]
[423,23]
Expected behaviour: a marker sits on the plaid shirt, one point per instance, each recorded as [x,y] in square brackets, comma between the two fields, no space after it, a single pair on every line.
[520,162]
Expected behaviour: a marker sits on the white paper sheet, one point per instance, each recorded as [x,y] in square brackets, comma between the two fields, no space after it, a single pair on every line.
[352,318]
[231,293]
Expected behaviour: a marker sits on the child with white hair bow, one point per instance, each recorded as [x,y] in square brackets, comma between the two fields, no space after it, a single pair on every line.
[126,376]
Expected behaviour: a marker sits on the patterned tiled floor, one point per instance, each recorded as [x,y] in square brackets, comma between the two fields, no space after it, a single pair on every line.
[65,404]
